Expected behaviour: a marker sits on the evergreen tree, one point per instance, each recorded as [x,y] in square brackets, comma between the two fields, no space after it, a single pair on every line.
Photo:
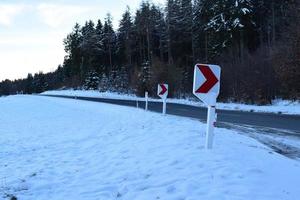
[226,23]
[29,84]
[124,46]
[147,37]
[72,48]
[145,79]
[5,87]
[104,83]
[109,43]
[91,81]
[88,46]
[161,48]
[122,80]
[172,19]
[186,31]
[39,83]
[99,48]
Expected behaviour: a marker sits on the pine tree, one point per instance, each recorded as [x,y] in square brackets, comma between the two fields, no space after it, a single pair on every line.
[226,23]
[29,84]
[104,83]
[123,85]
[39,83]
[172,19]
[72,48]
[109,43]
[88,46]
[124,46]
[186,31]
[158,34]
[200,36]
[146,30]
[145,78]
[161,35]
[91,81]
[5,87]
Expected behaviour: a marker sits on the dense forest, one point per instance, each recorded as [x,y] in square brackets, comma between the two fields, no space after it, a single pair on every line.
[256,43]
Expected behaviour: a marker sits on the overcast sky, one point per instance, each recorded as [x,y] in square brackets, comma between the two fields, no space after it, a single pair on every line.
[32,31]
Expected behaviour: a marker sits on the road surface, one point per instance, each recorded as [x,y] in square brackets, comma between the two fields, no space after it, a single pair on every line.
[289,123]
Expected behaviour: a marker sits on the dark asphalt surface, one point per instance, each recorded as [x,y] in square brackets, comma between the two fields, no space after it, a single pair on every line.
[264,120]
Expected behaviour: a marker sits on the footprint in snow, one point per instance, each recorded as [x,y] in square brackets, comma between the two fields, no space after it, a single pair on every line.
[171,189]
[255,171]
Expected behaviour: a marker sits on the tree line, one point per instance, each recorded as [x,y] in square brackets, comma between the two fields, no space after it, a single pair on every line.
[256,43]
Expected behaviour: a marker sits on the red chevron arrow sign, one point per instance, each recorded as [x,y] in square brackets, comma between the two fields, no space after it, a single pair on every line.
[211,79]
[207,82]
[162,90]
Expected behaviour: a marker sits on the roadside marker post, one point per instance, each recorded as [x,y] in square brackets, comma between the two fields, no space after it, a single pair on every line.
[216,118]
[207,88]
[162,92]
[74,94]
[210,127]
[164,106]
[146,101]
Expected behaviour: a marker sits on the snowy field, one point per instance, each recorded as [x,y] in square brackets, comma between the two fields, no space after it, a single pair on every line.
[58,149]
[278,106]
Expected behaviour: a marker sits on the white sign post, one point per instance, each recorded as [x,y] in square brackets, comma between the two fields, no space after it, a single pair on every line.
[207,87]
[162,92]
[146,101]
[164,106]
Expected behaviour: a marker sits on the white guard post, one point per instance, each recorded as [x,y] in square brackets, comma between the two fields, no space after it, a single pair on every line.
[162,92]
[207,87]
[74,94]
[164,106]
[211,112]
[146,101]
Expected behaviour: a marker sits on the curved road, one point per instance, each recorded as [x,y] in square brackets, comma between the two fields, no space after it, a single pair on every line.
[288,123]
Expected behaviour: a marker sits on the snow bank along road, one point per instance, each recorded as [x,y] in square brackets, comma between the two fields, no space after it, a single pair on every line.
[54,148]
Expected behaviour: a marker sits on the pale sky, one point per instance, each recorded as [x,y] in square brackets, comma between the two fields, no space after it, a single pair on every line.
[32,31]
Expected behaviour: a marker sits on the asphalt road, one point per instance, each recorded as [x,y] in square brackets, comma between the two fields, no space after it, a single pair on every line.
[289,123]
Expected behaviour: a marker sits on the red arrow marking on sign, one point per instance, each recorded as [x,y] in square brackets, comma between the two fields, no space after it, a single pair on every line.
[211,79]
[163,89]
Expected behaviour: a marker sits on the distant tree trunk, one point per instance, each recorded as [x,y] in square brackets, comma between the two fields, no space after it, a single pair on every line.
[81,70]
[161,52]
[273,24]
[128,49]
[242,46]
[193,47]
[148,46]
[110,57]
[170,56]
[206,47]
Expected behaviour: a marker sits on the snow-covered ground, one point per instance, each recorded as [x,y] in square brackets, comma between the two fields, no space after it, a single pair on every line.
[53,148]
[278,106]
